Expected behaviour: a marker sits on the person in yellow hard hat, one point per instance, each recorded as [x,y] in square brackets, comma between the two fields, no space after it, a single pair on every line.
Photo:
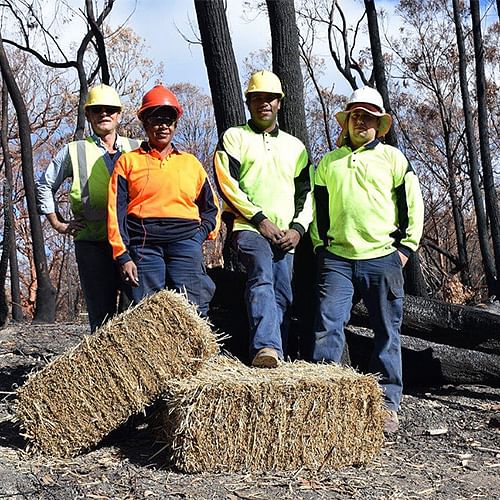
[263,175]
[368,219]
[89,163]
[161,209]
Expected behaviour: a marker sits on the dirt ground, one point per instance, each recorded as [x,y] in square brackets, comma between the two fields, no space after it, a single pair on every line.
[448,447]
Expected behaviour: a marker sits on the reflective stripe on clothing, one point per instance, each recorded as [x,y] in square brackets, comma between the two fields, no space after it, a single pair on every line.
[154,200]
[264,175]
[69,163]
[91,173]
[367,202]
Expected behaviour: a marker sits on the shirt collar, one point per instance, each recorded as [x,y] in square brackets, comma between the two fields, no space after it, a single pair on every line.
[274,132]
[117,146]
[145,146]
[371,145]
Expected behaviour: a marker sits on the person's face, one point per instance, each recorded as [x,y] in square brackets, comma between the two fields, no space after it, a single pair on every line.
[363,127]
[160,128]
[263,108]
[103,119]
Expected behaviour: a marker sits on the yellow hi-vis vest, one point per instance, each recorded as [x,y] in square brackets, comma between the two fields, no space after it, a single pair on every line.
[88,195]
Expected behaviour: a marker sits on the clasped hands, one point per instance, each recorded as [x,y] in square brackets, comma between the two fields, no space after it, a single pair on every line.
[286,239]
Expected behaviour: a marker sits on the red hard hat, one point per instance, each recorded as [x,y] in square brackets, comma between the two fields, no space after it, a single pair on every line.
[159,96]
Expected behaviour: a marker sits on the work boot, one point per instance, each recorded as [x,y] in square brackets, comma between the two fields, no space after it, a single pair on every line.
[391,422]
[265,358]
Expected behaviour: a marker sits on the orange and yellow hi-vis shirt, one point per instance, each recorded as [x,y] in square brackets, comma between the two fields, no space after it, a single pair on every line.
[154,201]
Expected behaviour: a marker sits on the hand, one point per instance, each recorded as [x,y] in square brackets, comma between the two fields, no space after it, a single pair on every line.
[129,273]
[70,227]
[270,231]
[289,240]
[403,257]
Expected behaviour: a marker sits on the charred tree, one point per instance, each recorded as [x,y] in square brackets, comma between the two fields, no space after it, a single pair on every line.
[378,64]
[427,363]
[45,300]
[414,280]
[286,64]
[490,193]
[473,160]
[220,62]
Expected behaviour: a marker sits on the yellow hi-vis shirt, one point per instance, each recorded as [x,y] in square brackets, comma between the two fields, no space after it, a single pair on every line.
[367,203]
[264,175]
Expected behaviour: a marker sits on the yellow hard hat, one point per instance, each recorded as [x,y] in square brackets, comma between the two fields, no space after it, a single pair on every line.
[103,95]
[264,81]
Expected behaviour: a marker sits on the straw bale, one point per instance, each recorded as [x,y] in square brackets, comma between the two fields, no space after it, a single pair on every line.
[82,395]
[230,418]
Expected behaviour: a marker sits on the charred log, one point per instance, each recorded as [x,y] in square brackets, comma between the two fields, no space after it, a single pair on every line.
[429,364]
[452,324]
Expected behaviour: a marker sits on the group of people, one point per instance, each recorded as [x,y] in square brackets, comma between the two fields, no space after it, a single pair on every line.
[142,210]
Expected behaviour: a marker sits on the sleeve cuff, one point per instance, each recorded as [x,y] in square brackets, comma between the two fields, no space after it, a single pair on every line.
[123,258]
[404,250]
[298,227]
[258,218]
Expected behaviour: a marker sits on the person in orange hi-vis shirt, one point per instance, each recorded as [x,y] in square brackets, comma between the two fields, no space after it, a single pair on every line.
[161,209]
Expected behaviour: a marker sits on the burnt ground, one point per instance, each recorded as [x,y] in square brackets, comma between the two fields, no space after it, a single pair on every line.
[448,447]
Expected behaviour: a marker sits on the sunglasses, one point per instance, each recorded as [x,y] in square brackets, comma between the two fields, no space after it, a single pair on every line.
[156,121]
[109,110]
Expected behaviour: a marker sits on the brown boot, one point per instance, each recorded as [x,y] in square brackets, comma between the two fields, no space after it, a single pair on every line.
[266,358]
[391,422]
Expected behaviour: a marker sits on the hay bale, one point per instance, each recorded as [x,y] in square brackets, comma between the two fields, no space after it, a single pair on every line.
[82,395]
[230,417]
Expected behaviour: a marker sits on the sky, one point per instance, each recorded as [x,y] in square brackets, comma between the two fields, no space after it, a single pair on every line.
[159,23]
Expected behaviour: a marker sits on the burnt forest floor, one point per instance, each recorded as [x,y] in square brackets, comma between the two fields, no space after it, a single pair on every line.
[448,447]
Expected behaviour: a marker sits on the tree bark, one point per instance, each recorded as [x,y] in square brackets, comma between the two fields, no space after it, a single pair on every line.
[221,64]
[45,300]
[286,64]
[482,224]
[427,363]
[456,325]
[490,192]
[378,65]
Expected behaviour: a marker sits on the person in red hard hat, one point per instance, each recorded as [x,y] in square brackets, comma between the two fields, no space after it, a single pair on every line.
[161,209]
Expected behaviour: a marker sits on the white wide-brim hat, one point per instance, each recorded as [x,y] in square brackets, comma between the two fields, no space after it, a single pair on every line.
[385,120]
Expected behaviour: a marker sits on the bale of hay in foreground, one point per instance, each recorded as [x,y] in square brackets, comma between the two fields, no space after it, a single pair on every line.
[82,395]
[230,417]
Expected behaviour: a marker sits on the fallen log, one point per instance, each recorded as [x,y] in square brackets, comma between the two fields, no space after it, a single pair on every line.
[456,325]
[427,363]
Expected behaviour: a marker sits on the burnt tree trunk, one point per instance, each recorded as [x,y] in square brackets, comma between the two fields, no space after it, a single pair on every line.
[286,64]
[292,119]
[414,279]
[472,156]
[490,193]
[45,297]
[221,64]
[378,64]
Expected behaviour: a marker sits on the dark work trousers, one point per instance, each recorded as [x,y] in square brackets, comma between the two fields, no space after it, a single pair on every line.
[99,279]
[177,266]
[379,282]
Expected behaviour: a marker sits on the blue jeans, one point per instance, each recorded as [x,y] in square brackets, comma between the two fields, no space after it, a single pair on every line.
[177,266]
[268,291]
[99,278]
[379,282]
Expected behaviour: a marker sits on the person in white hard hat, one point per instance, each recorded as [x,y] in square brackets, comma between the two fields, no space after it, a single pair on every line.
[89,163]
[368,219]
[263,175]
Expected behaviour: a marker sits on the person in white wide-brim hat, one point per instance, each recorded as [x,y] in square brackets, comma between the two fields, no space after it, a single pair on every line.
[368,219]
[370,101]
